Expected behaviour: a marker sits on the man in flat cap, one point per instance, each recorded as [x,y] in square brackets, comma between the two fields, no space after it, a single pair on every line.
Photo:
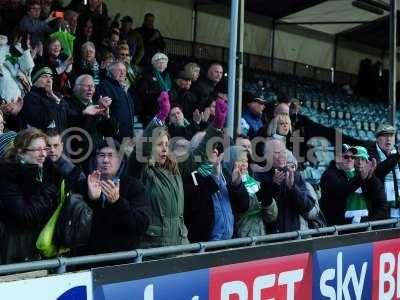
[251,121]
[180,94]
[387,155]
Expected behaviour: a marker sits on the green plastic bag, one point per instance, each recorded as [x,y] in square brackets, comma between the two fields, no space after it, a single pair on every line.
[45,242]
[67,41]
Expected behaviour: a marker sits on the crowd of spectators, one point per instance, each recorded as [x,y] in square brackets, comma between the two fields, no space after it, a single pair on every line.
[68,115]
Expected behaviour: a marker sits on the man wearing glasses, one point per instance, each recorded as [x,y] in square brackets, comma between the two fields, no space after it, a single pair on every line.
[351,193]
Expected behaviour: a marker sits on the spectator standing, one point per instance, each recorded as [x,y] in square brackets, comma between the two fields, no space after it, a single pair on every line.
[204,89]
[121,212]
[26,200]
[97,11]
[88,64]
[253,220]
[152,39]
[251,121]
[43,109]
[194,70]
[96,127]
[387,155]
[179,126]
[351,193]
[31,23]
[154,80]
[60,64]
[133,38]
[181,95]
[163,183]
[122,107]
[287,187]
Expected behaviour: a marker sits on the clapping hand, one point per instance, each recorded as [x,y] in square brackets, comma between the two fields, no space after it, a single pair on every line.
[14,107]
[105,101]
[238,171]
[93,110]
[279,177]
[94,186]
[289,178]
[111,190]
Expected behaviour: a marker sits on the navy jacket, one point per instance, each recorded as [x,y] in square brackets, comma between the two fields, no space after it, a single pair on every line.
[122,108]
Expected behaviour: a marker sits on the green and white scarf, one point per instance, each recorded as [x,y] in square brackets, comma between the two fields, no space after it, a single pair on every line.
[205,169]
[389,184]
[356,204]
[252,186]
[165,83]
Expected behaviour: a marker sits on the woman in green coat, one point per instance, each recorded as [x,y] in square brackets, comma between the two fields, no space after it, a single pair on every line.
[162,178]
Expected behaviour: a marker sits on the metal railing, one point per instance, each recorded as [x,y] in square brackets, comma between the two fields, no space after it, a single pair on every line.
[60,264]
[205,52]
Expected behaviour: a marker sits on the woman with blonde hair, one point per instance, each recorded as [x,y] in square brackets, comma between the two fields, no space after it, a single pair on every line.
[279,127]
[193,69]
[27,201]
[162,177]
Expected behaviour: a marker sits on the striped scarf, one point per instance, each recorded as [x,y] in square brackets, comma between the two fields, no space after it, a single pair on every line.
[389,184]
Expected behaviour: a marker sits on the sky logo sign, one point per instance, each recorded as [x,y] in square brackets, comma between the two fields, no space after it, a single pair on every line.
[343,273]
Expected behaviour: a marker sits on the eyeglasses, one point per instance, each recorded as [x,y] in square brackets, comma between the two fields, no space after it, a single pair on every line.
[104,155]
[348,157]
[37,150]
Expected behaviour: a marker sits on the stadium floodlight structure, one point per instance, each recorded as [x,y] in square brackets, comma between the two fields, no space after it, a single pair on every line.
[378,7]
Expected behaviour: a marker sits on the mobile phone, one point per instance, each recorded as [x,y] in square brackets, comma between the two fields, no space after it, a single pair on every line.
[284,169]
[58,14]
[116,181]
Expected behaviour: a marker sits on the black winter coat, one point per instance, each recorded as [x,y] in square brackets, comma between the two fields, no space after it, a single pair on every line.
[122,106]
[199,208]
[95,127]
[26,205]
[291,203]
[386,166]
[117,227]
[40,111]
[148,90]
[204,92]
[185,99]
[335,188]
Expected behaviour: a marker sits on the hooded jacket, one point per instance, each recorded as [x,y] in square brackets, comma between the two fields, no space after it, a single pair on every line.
[26,204]
[336,188]
[118,226]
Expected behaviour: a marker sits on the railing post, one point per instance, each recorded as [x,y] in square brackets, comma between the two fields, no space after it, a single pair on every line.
[336,232]
[62,265]
[202,248]
[139,257]
[369,228]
